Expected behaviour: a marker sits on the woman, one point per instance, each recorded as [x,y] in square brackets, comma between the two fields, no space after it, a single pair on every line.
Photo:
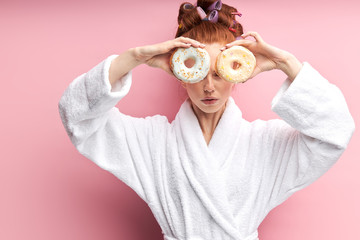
[209,174]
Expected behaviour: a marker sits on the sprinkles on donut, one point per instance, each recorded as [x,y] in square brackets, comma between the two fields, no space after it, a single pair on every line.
[195,73]
[235,64]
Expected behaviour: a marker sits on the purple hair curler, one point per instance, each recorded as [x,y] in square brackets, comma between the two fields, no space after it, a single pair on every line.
[213,16]
[188,6]
[215,6]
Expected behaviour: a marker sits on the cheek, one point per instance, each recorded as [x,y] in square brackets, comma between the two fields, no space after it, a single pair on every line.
[190,93]
[227,87]
[193,89]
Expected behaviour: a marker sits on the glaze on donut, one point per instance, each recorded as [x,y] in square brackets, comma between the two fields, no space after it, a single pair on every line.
[244,59]
[198,71]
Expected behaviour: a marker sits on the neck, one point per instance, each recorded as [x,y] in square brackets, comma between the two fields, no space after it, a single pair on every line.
[208,121]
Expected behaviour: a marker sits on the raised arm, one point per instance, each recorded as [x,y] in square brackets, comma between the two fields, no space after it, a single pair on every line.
[114,141]
[315,130]
[268,57]
[315,126]
[157,55]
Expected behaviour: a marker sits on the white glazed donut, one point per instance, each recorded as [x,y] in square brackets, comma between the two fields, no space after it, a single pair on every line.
[245,60]
[198,71]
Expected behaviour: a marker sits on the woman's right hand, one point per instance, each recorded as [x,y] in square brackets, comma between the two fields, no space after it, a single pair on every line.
[158,55]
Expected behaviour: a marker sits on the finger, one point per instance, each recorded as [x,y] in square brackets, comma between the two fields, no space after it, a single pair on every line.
[241,42]
[181,44]
[255,35]
[169,71]
[256,71]
[193,42]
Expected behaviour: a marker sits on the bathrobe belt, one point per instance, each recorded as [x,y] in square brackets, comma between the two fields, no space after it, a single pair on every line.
[252,236]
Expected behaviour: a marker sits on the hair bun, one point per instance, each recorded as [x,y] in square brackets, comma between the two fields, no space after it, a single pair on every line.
[189,17]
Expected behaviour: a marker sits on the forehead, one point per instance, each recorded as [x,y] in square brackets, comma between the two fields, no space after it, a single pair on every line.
[213,49]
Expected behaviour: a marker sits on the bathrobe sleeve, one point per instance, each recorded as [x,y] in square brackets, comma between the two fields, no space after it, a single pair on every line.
[313,132]
[114,141]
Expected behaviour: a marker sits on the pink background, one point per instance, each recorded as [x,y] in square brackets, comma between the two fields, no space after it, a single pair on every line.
[49,191]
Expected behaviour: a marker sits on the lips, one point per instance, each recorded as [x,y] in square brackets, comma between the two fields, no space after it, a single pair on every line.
[209,100]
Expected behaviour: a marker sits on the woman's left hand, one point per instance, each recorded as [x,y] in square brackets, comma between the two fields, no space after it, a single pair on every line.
[268,57]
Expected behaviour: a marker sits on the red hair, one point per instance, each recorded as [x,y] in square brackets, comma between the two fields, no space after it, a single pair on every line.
[192,26]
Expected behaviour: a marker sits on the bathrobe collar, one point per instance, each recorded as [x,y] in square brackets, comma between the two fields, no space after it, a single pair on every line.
[225,132]
[203,163]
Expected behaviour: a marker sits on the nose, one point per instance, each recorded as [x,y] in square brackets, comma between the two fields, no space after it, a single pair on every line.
[209,84]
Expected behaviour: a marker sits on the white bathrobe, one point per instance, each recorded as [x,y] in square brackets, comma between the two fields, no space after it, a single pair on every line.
[223,190]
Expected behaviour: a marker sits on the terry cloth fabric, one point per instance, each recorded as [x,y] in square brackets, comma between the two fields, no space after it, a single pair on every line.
[225,189]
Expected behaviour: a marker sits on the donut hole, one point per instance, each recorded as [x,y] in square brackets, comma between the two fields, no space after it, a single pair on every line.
[236,65]
[189,63]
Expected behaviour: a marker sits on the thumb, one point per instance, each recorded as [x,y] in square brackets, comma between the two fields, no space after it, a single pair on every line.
[256,71]
[168,70]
